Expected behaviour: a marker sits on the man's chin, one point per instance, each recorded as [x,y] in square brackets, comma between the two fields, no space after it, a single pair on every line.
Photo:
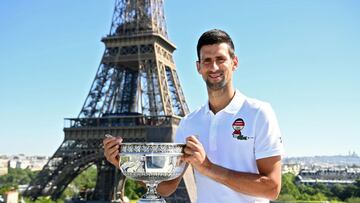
[215,86]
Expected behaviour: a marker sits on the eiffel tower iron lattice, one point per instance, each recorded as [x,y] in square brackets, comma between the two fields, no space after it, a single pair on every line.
[136,94]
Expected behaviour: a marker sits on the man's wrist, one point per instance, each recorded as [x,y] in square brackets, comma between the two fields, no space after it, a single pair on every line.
[205,166]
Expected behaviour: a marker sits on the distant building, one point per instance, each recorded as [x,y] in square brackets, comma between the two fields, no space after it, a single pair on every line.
[4,166]
[325,161]
[23,164]
[291,168]
[38,163]
[328,176]
[12,163]
[34,163]
[12,197]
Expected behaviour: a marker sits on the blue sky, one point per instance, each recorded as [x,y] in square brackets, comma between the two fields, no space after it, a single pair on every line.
[302,56]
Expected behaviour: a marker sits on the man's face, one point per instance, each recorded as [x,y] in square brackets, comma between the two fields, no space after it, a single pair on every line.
[216,66]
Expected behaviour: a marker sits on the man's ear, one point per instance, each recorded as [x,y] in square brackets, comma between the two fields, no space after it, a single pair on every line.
[198,66]
[235,62]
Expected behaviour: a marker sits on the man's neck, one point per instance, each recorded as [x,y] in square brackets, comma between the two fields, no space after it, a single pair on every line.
[219,99]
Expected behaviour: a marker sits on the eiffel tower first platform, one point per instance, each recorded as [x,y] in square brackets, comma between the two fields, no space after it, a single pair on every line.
[136,94]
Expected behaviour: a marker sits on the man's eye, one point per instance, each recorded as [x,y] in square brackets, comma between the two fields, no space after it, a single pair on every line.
[207,62]
[220,60]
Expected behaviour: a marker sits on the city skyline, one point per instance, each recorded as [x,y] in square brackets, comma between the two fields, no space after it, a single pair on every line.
[301,56]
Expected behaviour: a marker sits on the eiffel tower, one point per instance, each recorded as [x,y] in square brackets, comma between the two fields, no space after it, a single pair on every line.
[136,94]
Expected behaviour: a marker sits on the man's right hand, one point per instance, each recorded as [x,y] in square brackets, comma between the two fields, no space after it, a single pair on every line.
[111,149]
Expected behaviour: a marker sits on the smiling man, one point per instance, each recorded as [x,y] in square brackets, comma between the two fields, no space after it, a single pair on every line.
[232,142]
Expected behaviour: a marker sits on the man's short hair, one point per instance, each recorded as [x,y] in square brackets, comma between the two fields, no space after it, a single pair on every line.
[215,36]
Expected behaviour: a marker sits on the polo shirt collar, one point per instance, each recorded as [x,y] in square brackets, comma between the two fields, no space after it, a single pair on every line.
[233,107]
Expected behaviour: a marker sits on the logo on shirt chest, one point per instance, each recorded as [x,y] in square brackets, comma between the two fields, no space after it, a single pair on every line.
[238,125]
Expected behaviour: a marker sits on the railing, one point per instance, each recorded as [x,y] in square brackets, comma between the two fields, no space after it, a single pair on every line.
[120,121]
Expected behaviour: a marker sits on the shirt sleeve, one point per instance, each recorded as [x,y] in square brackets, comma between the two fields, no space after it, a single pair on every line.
[268,141]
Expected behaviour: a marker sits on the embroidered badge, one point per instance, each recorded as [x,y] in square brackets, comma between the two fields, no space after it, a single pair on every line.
[238,125]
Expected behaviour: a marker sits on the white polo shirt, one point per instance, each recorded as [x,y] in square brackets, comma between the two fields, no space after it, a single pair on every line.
[234,138]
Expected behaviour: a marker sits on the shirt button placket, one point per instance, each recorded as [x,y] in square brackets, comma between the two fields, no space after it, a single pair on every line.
[212,134]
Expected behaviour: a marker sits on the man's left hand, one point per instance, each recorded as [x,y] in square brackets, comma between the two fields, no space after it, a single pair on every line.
[195,154]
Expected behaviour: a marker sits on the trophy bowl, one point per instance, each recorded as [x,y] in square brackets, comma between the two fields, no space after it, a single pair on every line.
[151,163]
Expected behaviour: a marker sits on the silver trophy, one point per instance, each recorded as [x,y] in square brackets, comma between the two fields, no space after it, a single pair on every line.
[151,163]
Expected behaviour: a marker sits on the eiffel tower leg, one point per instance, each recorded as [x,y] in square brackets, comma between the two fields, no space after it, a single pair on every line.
[186,191]
[109,182]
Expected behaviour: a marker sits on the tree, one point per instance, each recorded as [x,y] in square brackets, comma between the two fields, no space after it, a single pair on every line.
[353,200]
[43,200]
[357,184]
[348,192]
[319,197]
[288,187]
[87,179]
[84,182]
[14,178]
[322,188]
[286,198]
[133,189]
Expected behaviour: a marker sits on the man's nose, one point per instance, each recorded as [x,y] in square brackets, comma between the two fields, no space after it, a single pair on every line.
[214,66]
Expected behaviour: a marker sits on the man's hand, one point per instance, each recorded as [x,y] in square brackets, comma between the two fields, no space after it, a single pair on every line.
[195,154]
[266,183]
[111,149]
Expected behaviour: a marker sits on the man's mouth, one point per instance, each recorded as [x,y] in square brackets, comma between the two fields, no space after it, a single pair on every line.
[215,75]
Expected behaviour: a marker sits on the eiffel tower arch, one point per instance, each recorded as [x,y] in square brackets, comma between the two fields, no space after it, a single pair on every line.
[136,94]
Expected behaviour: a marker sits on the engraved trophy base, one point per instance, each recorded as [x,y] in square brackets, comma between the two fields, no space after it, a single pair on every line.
[151,195]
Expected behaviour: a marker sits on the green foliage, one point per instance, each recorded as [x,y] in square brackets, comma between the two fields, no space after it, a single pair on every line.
[14,178]
[43,200]
[133,189]
[289,191]
[17,177]
[353,200]
[5,188]
[337,190]
[324,189]
[320,192]
[357,183]
[87,179]
[69,192]
[286,198]
[83,182]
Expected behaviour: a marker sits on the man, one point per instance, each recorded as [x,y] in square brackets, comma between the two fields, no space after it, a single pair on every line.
[232,142]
